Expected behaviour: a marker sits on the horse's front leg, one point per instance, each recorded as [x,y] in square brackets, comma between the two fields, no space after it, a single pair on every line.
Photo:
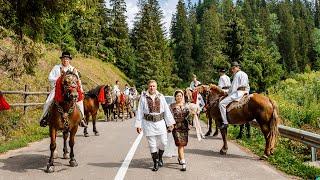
[224,149]
[72,162]
[50,165]
[65,147]
[94,118]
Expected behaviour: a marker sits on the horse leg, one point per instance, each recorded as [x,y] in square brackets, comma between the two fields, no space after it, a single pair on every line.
[122,109]
[85,130]
[265,130]
[65,147]
[50,165]
[210,127]
[224,149]
[94,118]
[216,132]
[240,132]
[72,162]
[248,130]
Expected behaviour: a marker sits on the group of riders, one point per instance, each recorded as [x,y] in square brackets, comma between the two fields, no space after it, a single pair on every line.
[153,116]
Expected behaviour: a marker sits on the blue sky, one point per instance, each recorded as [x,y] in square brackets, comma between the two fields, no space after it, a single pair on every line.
[168,7]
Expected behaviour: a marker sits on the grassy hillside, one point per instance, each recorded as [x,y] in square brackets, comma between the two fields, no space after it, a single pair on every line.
[17,129]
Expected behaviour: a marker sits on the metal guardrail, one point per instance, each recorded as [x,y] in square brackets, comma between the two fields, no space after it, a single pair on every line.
[305,137]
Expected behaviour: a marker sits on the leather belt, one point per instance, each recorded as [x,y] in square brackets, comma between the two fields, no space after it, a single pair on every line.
[226,87]
[154,117]
[241,88]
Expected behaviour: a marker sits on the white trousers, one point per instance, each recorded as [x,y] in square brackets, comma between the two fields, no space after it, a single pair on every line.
[49,101]
[157,142]
[223,108]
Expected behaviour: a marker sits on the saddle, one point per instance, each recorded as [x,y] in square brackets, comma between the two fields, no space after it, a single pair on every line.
[238,104]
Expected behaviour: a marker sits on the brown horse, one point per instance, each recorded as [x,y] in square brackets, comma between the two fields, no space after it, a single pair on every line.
[259,107]
[124,103]
[108,106]
[91,106]
[65,115]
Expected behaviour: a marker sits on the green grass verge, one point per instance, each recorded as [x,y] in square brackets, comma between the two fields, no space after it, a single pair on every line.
[289,156]
[31,133]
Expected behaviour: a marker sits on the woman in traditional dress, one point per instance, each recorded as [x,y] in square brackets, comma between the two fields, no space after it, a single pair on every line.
[180,132]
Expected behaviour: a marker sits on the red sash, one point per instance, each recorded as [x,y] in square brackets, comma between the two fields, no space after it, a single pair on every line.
[3,103]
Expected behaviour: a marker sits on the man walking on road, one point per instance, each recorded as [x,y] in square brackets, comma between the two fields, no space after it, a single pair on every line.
[153,117]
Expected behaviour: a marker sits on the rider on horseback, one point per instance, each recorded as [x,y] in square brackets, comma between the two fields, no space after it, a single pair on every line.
[53,76]
[239,87]
[224,80]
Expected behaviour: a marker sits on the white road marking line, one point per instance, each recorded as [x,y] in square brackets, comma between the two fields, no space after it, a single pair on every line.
[124,167]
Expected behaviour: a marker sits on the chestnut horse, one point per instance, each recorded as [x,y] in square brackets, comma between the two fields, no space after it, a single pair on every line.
[91,106]
[123,103]
[259,107]
[64,115]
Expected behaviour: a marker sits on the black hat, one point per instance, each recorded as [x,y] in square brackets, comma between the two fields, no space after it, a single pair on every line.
[235,64]
[66,54]
[222,70]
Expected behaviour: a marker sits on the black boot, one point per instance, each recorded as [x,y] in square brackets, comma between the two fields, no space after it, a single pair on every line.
[160,157]
[155,161]
[240,132]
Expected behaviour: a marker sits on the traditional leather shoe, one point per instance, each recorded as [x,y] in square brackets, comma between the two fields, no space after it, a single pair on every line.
[223,126]
[155,161]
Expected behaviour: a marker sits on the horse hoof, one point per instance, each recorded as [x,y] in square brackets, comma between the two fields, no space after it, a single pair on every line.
[264,157]
[86,134]
[223,152]
[50,169]
[208,133]
[73,163]
[55,154]
[97,134]
[215,133]
[66,156]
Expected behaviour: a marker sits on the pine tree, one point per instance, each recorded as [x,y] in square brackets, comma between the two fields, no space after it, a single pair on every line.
[182,38]
[317,14]
[261,61]
[211,45]
[118,38]
[153,56]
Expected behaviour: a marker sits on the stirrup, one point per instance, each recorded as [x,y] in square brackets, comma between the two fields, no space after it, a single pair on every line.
[43,122]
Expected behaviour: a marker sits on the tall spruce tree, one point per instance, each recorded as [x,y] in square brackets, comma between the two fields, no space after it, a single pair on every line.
[261,61]
[211,45]
[118,38]
[153,56]
[182,38]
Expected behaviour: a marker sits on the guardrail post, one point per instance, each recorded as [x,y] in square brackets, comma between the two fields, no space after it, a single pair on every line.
[313,154]
[25,99]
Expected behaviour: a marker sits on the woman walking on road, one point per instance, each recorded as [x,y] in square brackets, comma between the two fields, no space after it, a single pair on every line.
[180,132]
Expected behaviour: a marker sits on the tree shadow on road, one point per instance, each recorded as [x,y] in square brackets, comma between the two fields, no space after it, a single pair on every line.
[22,163]
[217,154]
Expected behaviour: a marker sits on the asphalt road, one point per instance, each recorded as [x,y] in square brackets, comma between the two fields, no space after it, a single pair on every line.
[100,157]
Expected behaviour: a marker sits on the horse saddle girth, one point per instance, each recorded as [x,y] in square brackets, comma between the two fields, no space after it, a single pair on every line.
[238,104]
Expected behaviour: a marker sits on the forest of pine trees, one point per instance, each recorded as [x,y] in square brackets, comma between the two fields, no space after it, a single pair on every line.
[271,39]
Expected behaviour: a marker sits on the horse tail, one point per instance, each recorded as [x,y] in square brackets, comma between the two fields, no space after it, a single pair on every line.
[275,120]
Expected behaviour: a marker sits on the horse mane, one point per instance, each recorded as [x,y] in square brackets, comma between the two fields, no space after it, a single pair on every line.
[95,91]
[217,89]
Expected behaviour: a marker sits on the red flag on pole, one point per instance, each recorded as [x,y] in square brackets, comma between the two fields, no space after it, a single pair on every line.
[3,103]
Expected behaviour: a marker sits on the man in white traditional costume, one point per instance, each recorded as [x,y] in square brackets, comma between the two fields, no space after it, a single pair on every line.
[224,80]
[53,76]
[116,89]
[154,117]
[194,82]
[239,87]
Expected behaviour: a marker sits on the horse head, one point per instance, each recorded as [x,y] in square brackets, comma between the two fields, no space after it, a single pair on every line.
[108,94]
[68,84]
